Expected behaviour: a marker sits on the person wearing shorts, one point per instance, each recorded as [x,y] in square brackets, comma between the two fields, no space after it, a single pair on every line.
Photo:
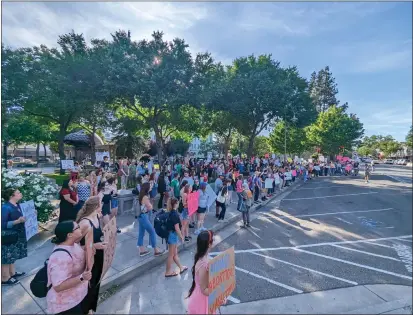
[202,208]
[185,213]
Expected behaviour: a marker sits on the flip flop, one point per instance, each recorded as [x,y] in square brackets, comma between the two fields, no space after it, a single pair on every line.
[183,270]
[172,275]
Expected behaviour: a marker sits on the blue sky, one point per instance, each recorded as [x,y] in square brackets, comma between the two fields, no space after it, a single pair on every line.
[368,46]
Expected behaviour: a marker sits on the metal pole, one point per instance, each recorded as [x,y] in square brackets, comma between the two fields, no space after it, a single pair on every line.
[285,141]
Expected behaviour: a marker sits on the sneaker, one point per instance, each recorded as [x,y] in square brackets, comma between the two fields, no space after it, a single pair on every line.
[243,226]
[248,225]
[149,246]
[143,254]
[187,240]
[191,225]
[11,281]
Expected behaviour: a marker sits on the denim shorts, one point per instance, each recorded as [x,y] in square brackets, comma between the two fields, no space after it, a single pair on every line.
[201,210]
[172,238]
[185,214]
[114,203]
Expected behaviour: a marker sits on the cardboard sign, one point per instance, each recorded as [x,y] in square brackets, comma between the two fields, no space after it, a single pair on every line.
[100,155]
[221,279]
[193,201]
[90,257]
[31,224]
[212,196]
[110,234]
[67,164]
[268,182]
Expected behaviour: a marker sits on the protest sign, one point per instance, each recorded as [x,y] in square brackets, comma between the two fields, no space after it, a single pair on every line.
[211,196]
[193,201]
[110,233]
[268,182]
[288,176]
[273,156]
[289,160]
[277,179]
[221,279]
[294,173]
[67,164]
[90,257]
[31,224]
[100,155]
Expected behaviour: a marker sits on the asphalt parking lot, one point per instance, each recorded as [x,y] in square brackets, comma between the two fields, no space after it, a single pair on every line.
[331,232]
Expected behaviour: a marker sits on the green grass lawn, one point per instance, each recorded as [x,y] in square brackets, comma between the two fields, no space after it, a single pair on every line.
[59,178]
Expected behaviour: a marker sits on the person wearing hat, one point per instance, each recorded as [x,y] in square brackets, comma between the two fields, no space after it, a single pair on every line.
[202,208]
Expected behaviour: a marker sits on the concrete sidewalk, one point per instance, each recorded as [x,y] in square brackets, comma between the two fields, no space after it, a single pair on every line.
[127,263]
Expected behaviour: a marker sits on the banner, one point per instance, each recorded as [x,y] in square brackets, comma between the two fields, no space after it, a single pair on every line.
[221,279]
[31,224]
[211,196]
[67,164]
[100,155]
[193,201]
[110,234]
[268,182]
[90,257]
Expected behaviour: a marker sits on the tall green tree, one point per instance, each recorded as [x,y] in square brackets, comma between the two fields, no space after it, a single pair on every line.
[261,146]
[334,128]
[293,139]
[409,138]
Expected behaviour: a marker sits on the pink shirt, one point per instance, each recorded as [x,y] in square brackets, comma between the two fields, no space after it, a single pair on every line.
[239,186]
[60,268]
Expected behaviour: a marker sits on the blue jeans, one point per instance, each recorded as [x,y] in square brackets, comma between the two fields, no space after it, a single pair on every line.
[239,200]
[146,225]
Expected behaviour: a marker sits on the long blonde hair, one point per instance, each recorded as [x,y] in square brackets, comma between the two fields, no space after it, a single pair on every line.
[90,205]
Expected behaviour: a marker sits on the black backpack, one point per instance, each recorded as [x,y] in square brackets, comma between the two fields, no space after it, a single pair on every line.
[38,285]
[161,224]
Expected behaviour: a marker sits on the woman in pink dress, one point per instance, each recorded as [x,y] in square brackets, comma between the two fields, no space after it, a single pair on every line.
[199,292]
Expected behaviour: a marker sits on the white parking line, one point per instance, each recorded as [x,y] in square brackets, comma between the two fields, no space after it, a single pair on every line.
[233,300]
[405,240]
[342,212]
[333,196]
[342,220]
[323,187]
[366,253]
[381,245]
[309,269]
[269,280]
[368,240]
[355,264]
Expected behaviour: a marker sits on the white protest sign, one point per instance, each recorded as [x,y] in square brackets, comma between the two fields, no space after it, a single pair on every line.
[31,224]
[288,176]
[211,196]
[67,164]
[209,156]
[321,158]
[268,182]
[273,156]
[100,155]
[277,179]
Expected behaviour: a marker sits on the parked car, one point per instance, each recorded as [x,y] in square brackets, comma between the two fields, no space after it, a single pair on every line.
[388,161]
[402,162]
[377,161]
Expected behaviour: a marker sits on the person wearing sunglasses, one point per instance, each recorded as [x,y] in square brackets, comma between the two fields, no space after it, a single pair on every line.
[66,270]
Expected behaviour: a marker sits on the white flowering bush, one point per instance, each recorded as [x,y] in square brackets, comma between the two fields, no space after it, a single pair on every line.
[33,187]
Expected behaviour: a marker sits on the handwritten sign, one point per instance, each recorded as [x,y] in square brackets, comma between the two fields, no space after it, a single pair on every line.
[31,224]
[100,155]
[294,173]
[110,234]
[90,257]
[211,196]
[67,164]
[268,182]
[221,279]
[193,200]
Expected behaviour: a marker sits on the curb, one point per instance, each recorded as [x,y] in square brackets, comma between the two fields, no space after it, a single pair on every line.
[134,271]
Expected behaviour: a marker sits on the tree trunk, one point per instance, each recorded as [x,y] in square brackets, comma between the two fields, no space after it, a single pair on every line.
[93,146]
[45,152]
[37,153]
[250,146]
[61,146]
[160,144]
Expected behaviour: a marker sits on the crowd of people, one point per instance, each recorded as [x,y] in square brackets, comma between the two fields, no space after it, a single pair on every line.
[89,201]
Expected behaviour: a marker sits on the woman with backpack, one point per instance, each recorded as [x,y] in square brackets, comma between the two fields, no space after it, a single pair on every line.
[222,198]
[174,227]
[66,270]
[145,223]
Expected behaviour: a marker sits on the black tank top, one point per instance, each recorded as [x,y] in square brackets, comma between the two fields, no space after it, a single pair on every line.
[97,233]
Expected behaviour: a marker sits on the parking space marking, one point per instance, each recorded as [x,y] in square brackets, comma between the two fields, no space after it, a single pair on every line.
[233,300]
[366,253]
[381,245]
[405,240]
[309,269]
[342,220]
[405,253]
[355,264]
[341,212]
[319,244]
[323,187]
[269,280]
[332,196]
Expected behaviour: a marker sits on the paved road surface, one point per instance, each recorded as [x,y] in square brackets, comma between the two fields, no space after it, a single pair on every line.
[399,173]
[330,233]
